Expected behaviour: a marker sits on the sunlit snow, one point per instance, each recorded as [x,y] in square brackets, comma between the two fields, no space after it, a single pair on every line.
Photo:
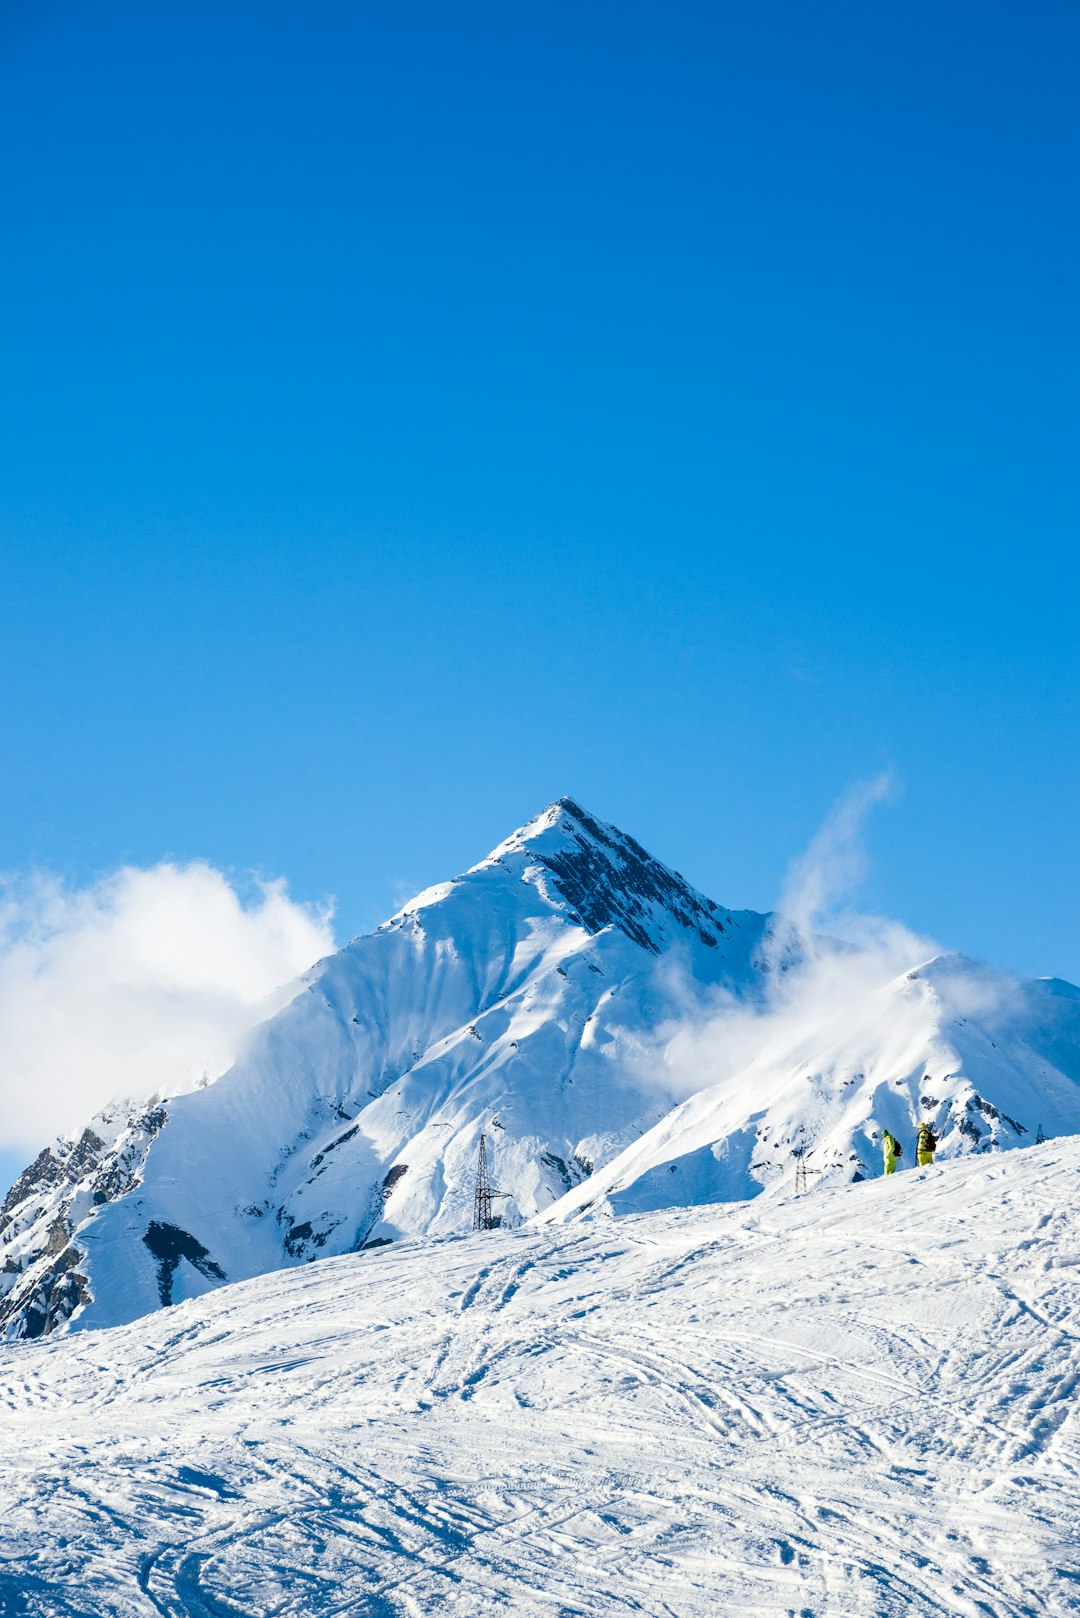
[857,1402]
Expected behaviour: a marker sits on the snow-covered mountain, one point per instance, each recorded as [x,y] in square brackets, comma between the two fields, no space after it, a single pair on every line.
[506,1000]
[988,1062]
[522,999]
[856,1404]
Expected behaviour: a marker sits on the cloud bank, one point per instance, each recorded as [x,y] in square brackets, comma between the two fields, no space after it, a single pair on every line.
[140,983]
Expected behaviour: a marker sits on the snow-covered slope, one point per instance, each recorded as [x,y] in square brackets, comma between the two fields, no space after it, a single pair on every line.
[987,1062]
[525,999]
[859,1403]
[504,1000]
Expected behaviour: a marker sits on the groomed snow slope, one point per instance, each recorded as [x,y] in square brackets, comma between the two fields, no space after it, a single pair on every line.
[858,1402]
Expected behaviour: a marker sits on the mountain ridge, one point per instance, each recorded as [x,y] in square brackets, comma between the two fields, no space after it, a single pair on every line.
[529,998]
[489,1001]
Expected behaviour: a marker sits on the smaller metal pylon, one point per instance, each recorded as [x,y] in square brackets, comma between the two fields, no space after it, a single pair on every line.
[483,1218]
[481,1213]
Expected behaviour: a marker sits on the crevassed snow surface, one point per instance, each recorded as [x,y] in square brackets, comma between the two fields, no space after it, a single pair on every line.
[857,1402]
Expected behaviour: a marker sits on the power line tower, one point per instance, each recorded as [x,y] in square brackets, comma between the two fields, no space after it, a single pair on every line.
[802,1184]
[485,1194]
[1040,1137]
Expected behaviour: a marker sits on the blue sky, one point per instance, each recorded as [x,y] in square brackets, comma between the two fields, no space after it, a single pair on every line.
[413,413]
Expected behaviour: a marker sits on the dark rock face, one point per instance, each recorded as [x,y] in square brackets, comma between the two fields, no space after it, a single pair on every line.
[393,1175]
[49,1284]
[304,1239]
[56,1294]
[609,880]
[169,1244]
[119,1170]
[44,1174]
[298,1236]
[979,1123]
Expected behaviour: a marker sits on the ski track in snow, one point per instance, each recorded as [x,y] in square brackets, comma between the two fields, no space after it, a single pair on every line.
[858,1402]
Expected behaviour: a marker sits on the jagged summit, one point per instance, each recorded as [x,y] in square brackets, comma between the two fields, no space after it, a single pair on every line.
[564,814]
[595,875]
[607,879]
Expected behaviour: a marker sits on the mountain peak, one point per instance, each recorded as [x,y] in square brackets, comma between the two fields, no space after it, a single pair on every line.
[606,878]
[565,813]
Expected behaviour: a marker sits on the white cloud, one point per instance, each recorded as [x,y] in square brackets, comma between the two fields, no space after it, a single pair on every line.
[140,983]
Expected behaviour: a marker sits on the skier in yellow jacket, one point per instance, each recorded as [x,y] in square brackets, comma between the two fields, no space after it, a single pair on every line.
[925,1146]
[891,1148]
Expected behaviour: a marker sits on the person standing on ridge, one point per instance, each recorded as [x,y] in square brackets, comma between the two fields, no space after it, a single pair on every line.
[925,1146]
[891,1148]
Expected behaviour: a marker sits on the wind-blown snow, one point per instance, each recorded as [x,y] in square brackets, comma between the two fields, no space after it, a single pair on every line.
[933,1045]
[859,1403]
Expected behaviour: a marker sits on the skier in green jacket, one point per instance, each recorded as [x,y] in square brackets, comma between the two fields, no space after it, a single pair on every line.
[892,1148]
[925,1146]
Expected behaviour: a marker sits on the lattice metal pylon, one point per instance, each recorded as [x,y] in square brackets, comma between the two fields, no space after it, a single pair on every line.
[485,1193]
[802,1173]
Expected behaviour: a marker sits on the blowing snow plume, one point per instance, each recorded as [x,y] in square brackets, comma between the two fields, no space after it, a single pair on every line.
[857,1025]
[822,965]
[145,981]
[832,867]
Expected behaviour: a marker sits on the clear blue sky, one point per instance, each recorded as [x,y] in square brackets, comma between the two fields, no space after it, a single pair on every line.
[414,412]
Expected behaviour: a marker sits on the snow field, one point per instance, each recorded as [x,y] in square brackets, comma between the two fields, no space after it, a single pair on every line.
[857,1402]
